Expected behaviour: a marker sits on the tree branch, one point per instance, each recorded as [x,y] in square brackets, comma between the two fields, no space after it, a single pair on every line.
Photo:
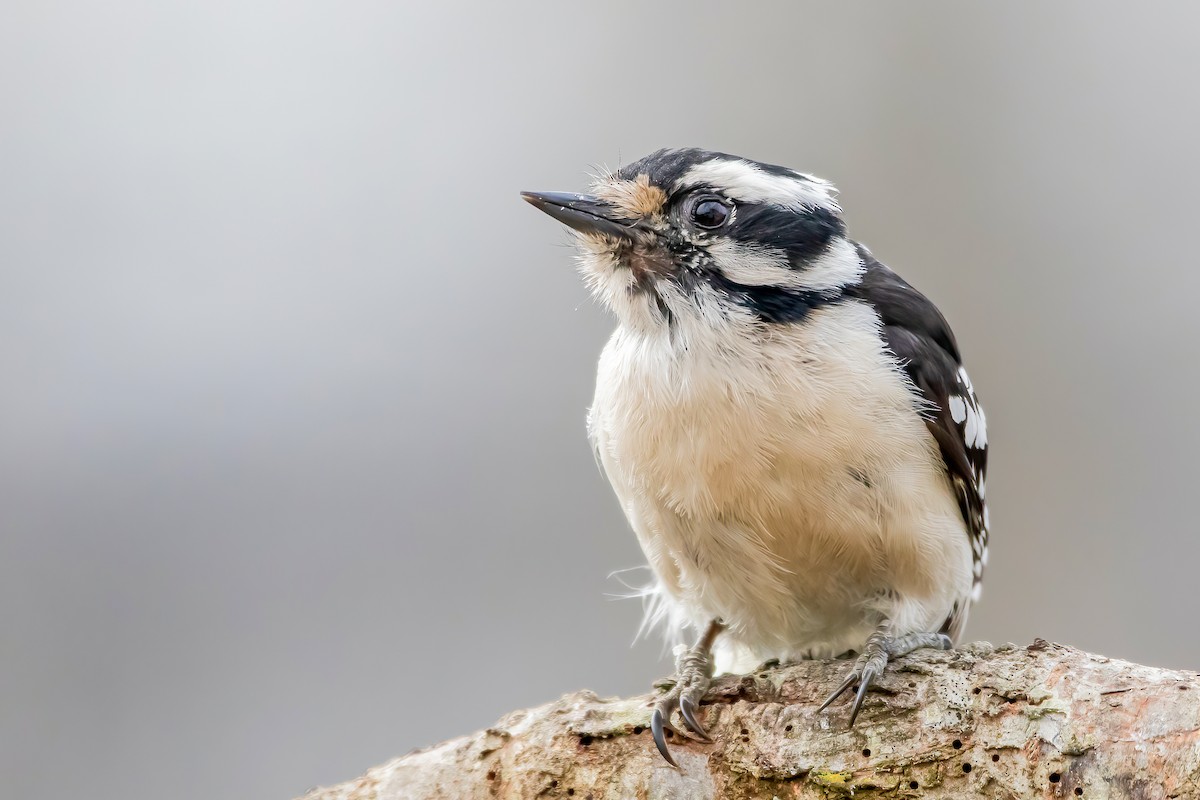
[1004,722]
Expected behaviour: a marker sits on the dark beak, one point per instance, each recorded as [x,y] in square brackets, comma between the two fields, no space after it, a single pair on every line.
[586,214]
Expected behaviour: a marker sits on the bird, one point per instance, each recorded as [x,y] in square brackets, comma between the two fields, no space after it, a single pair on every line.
[786,423]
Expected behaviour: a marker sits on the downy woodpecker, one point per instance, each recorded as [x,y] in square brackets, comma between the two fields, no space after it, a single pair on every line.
[786,422]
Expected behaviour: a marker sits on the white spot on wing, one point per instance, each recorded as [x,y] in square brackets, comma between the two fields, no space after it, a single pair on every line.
[958,408]
[975,424]
[962,376]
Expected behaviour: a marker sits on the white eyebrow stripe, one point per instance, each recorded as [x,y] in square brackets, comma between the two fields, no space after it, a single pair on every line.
[741,180]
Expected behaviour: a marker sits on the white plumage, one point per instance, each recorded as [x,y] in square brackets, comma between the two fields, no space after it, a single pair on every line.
[784,483]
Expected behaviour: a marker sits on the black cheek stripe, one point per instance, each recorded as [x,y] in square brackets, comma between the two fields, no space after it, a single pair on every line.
[775,304]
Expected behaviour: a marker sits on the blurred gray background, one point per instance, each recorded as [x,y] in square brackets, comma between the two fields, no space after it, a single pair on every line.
[293,473]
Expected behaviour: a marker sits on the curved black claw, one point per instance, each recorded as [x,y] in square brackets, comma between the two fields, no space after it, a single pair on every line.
[869,674]
[871,664]
[840,690]
[693,675]
[660,720]
[866,669]
[687,709]
[657,724]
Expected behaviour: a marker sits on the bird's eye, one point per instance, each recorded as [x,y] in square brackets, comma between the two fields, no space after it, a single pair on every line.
[710,213]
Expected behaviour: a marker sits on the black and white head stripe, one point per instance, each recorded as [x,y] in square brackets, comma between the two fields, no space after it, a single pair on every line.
[741,179]
[919,336]
[782,249]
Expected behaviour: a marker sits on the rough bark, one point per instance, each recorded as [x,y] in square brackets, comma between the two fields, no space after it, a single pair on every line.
[980,721]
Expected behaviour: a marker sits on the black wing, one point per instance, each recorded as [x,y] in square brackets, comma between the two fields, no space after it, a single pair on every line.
[917,333]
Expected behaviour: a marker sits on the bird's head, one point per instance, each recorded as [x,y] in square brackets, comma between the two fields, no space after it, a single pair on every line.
[693,236]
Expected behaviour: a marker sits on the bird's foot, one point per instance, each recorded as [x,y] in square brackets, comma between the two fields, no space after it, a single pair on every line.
[693,676]
[870,665]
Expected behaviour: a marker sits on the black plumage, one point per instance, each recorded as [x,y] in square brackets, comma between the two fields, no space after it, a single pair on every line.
[919,336]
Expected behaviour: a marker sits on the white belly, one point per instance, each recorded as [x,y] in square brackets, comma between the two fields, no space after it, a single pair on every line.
[787,487]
